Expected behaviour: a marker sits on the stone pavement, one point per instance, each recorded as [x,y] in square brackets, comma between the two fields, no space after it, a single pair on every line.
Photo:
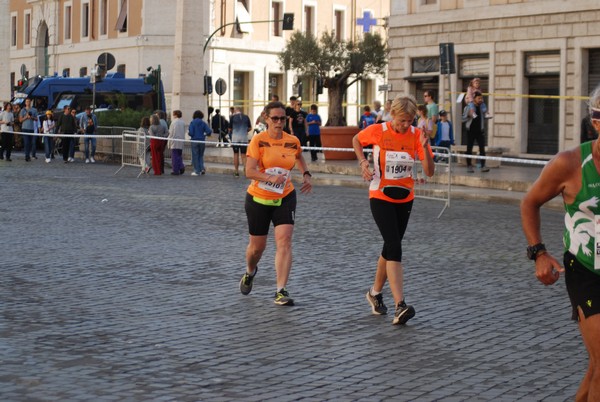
[122,289]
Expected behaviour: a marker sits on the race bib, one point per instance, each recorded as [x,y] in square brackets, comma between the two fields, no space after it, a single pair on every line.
[398,165]
[275,188]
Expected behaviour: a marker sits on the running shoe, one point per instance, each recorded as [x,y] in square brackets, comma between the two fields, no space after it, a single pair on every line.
[246,282]
[283,298]
[403,313]
[376,303]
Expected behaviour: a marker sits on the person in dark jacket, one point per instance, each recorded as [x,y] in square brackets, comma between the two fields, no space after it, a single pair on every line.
[66,124]
[198,131]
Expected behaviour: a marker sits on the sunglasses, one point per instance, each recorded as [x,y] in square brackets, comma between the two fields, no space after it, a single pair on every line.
[276,119]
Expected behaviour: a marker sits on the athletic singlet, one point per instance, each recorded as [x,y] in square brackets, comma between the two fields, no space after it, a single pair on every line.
[274,157]
[393,158]
[579,235]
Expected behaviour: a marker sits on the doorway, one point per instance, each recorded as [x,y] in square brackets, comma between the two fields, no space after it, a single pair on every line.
[542,116]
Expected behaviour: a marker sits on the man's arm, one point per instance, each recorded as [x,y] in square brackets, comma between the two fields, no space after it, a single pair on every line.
[553,181]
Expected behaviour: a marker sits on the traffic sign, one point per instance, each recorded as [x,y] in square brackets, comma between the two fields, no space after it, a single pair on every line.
[106,61]
[220,86]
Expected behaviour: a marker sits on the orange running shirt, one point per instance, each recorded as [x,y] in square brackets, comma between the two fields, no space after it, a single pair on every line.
[394,157]
[274,157]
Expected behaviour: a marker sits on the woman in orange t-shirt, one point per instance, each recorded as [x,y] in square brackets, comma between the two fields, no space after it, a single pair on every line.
[396,146]
[271,197]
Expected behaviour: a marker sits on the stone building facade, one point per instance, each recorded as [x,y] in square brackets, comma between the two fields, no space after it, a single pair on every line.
[67,36]
[538,60]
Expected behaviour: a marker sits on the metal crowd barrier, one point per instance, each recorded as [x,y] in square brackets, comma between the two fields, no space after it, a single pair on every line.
[437,187]
[133,150]
[111,147]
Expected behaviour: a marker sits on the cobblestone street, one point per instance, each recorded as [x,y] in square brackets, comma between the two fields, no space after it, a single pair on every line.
[122,289]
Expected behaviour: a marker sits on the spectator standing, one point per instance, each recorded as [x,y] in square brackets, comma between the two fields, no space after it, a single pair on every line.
[288,112]
[28,116]
[444,136]
[432,110]
[297,121]
[377,110]
[391,195]
[588,132]
[157,144]
[144,152]
[386,114]
[7,119]
[176,139]
[198,131]
[474,116]
[261,122]
[313,120]
[240,126]
[88,125]
[271,197]
[573,174]
[367,118]
[66,124]
[220,125]
[425,123]
[162,116]
[48,127]
[75,140]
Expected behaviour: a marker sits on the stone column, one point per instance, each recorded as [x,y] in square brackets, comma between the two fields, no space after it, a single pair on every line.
[5,50]
[192,18]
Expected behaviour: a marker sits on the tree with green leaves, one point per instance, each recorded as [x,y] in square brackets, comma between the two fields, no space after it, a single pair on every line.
[338,64]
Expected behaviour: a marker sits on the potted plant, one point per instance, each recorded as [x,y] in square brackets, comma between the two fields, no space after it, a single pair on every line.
[336,65]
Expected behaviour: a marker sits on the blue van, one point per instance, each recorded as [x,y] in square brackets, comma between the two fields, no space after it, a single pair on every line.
[114,91]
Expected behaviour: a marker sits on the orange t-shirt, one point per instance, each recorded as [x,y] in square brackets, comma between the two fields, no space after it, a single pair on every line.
[394,156]
[274,157]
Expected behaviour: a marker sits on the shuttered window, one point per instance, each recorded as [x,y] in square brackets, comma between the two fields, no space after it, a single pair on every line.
[594,69]
[474,67]
[122,19]
[542,63]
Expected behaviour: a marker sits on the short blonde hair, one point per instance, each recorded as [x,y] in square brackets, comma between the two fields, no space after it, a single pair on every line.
[404,104]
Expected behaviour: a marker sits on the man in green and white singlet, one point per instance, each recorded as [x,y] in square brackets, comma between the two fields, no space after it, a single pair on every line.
[574,174]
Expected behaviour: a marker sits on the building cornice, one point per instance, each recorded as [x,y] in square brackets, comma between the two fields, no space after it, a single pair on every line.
[531,9]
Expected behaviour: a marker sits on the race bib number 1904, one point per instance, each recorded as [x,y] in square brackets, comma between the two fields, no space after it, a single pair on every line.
[398,165]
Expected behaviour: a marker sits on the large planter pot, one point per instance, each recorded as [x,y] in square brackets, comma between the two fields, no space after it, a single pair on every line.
[338,137]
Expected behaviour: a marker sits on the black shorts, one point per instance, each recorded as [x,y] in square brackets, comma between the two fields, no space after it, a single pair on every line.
[391,219]
[583,287]
[260,216]
[239,149]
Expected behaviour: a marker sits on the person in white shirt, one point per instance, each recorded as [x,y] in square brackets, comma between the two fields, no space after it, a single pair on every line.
[176,137]
[48,126]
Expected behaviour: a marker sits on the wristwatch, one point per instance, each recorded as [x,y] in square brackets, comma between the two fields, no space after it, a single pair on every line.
[533,251]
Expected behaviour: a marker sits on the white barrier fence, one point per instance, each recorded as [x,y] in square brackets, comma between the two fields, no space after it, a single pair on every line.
[133,149]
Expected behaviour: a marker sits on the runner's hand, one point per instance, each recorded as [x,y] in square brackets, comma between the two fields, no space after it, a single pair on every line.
[367,174]
[547,269]
[306,185]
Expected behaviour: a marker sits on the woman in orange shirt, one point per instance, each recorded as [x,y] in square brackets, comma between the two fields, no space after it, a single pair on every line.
[271,197]
[396,146]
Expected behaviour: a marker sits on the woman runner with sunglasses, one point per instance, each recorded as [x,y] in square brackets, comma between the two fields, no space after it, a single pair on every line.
[396,145]
[271,197]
